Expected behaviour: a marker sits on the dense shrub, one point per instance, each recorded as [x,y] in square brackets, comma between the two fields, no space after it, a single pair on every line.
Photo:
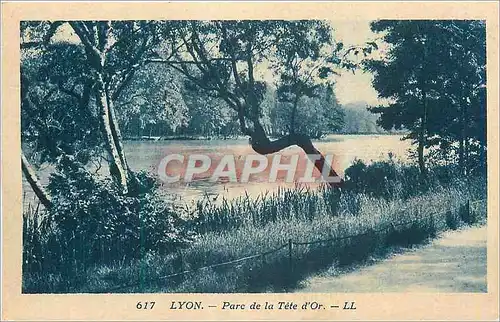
[92,223]
[389,179]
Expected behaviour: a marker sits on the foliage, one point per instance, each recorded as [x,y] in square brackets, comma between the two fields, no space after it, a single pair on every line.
[55,92]
[358,119]
[394,180]
[152,103]
[237,62]
[301,203]
[381,180]
[434,75]
[91,223]
[209,116]
[314,116]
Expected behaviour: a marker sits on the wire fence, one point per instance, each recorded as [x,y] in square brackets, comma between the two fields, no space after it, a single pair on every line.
[291,243]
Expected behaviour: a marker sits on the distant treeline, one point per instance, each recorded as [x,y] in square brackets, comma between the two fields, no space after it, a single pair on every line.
[196,115]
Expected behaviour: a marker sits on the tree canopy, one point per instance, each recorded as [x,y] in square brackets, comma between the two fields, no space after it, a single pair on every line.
[434,74]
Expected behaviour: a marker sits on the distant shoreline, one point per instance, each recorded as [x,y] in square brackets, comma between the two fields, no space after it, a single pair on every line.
[210,138]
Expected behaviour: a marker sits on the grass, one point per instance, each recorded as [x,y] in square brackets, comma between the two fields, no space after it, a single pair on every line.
[229,230]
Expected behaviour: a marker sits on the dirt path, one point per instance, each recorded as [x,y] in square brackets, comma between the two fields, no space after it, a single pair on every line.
[456,262]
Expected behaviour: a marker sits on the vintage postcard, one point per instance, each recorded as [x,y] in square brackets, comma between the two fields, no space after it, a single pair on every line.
[250,161]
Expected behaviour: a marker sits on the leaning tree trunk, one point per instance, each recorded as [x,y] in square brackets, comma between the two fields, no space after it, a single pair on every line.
[115,131]
[35,184]
[262,145]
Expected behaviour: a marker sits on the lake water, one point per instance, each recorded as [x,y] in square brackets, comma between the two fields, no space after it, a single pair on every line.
[146,155]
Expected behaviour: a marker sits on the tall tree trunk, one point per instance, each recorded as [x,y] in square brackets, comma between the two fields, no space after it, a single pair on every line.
[116,167]
[423,118]
[421,135]
[483,155]
[465,135]
[420,152]
[96,43]
[466,156]
[294,111]
[461,138]
[461,153]
[35,184]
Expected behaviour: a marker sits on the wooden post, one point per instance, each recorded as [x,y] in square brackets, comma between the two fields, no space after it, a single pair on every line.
[467,209]
[432,227]
[180,262]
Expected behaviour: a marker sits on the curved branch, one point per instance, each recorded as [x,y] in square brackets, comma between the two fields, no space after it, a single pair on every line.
[265,146]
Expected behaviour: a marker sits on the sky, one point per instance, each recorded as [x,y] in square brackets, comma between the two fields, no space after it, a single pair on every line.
[349,87]
[354,87]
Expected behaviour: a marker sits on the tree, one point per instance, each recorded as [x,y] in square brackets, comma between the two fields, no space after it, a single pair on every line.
[314,116]
[96,39]
[151,101]
[466,90]
[358,119]
[431,73]
[208,115]
[221,57]
[54,92]
[305,65]
[89,74]
[69,91]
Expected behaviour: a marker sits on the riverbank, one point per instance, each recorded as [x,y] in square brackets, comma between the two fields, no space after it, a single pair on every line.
[243,245]
[267,243]
[180,137]
[146,138]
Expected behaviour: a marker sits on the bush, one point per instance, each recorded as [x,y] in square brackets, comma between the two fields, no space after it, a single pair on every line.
[92,223]
[393,180]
